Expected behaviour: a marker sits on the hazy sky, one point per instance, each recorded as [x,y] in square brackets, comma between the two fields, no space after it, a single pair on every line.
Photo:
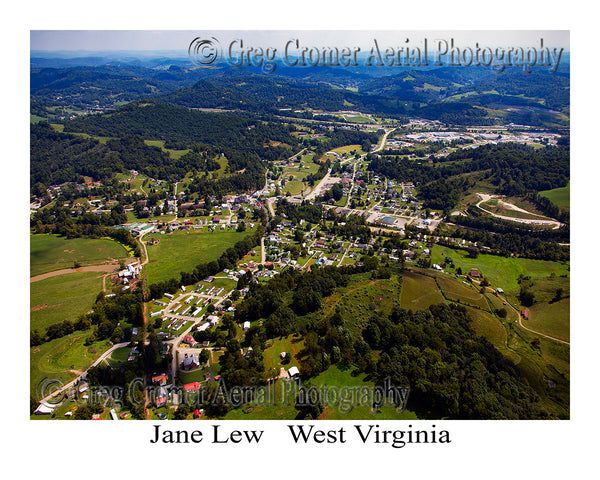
[150,40]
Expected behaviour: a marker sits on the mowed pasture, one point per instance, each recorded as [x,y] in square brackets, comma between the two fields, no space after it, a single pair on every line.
[500,271]
[419,292]
[63,297]
[550,318]
[458,292]
[52,252]
[181,251]
[559,196]
[290,345]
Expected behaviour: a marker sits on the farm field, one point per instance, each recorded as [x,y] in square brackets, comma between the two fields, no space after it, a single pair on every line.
[182,251]
[489,326]
[550,318]
[500,271]
[418,292]
[63,297]
[51,252]
[458,292]
[559,196]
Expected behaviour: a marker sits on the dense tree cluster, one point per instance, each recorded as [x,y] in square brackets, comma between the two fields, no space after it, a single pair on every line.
[105,317]
[450,370]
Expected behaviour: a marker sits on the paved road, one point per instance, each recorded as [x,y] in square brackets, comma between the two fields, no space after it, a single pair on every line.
[76,379]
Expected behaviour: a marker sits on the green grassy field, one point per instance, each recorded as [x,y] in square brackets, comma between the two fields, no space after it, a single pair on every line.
[283,395]
[559,196]
[55,359]
[419,291]
[348,148]
[290,344]
[458,292]
[357,119]
[120,355]
[489,326]
[51,252]
[174,154]
[343,379]
[551,319]
[295,187]
[182,251]
[63,297]
[500,271]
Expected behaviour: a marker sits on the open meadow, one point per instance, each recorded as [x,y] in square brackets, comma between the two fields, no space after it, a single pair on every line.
[181,251]
[52,252]
[63,297]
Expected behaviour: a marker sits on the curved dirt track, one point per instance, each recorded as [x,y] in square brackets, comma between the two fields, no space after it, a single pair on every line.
[91,268]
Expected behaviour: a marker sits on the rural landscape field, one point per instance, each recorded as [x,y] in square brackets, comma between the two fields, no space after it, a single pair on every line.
[306,238]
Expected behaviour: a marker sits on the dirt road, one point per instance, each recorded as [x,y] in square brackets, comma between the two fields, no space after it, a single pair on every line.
[92,268]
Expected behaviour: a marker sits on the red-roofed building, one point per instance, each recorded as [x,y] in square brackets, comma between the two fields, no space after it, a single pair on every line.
[160,379]
[189,340]
[474,273]
[161,397]
[525,313]
[192,387]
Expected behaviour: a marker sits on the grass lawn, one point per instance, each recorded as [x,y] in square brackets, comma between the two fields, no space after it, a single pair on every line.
[457,291]
[489,326]
[551,318]
[118,356]
[290,344]
[182,251]
[343,379]
[559,196]
[55,359]
[174,154]
[51,252]
[63,297]
[500,271]
[419,292]
[196,375]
